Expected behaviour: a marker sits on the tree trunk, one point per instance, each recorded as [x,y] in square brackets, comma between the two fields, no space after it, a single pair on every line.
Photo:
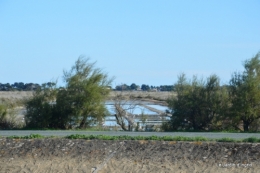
[120,122]
[83,123]
[246,125]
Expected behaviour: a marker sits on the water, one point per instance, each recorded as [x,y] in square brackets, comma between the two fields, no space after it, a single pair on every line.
[136,110]
[110,119]
[159,107]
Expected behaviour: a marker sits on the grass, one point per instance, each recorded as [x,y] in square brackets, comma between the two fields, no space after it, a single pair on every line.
[227,140]
[251,140]
[160,96]
[142,138]
[31,136]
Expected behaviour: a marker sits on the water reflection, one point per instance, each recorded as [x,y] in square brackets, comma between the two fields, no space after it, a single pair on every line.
[142,115]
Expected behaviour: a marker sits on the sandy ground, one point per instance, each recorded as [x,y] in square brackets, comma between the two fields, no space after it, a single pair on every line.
[73,156]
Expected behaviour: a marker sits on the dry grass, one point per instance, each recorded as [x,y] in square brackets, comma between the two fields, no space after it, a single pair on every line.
[160,96]
[15,94]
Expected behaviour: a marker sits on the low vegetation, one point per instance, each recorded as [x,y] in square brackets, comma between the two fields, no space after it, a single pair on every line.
[31,136]
[8,117]
[147,138]
[161,138]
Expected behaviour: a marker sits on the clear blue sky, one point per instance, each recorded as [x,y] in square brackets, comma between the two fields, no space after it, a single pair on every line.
[138,41]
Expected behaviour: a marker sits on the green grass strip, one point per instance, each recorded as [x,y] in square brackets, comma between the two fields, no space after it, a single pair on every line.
[126,137]
[31,136]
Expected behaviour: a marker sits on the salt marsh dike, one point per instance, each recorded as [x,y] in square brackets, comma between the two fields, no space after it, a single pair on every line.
[122,156]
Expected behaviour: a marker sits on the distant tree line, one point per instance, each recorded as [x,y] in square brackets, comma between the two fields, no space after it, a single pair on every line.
[144,87]
[20,86]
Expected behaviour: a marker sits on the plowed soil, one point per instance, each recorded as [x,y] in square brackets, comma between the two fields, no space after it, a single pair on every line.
[77,155]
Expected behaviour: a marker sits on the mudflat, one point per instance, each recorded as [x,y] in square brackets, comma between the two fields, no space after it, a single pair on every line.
[103,156]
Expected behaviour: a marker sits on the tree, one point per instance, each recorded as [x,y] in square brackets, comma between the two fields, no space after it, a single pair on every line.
[166,88]
[40,108]
[122,87]
[197,103]
[145,87]
[245,94]
[133,86]
[124,108]
[78,105]
[86,90]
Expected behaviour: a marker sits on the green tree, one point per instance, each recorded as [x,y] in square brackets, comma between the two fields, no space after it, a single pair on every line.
[123,87]
[40,108]
[145,87]
[245,94]
[86,91]
[78,105]
[197,103]
[133,86]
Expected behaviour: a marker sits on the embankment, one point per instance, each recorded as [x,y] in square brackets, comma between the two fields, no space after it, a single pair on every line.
[78,155]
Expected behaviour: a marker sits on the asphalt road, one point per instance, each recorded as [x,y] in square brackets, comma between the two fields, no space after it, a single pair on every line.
[62,133]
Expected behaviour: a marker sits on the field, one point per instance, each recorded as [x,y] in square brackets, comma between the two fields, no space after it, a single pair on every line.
[117,156]
[160,96]
[12,95]
[16,97]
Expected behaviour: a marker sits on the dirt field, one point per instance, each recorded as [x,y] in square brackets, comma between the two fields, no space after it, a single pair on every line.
[64,155]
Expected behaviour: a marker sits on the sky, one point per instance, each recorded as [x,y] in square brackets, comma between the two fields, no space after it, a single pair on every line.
[139,41]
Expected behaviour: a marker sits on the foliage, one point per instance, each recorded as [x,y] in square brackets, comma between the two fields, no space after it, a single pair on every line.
[197,105]
[125,137]
[245,94]
[41,108]
[19,86]
[8,119]
[133,86]
[167,87]
[160,138]
[123,87]
[226,140]
[78,105]
[86,90]
[147,138]
[167,126]
[3,113]
[31,136]
[251,140]
[145,87]
[143,118]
